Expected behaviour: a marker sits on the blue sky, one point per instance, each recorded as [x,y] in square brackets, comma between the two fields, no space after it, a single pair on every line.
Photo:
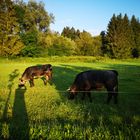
[90,15]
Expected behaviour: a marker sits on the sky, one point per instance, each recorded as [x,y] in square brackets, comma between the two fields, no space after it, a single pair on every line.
[89,15]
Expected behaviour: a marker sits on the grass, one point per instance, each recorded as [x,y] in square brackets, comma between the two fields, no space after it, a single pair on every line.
[44,112]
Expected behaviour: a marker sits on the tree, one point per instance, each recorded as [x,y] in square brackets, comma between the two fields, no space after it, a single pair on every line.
[119,37]
[10,42]
[104,49]
[33,20]
[135,25]
[62,46]
[36,18]
[85,44]
[30,40]
[19,7]
[70,33]
[97,44]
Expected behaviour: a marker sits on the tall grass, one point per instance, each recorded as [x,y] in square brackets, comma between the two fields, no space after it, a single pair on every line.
[44,112]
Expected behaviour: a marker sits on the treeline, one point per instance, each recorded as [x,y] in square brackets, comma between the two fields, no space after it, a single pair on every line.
[122,39]
[25,31]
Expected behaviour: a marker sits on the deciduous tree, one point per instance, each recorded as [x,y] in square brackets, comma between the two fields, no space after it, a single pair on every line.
[10,42]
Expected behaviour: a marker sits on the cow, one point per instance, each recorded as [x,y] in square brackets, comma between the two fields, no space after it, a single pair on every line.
[94,80]
[32,72]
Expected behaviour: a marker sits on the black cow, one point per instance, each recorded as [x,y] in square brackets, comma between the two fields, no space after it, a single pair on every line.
[94,80]
[44,71]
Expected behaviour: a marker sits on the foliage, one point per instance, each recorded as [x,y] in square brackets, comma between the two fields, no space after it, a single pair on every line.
[44,112]
[97,43]
[31,48]
[121,38]
[31,51]
[10,42]
[62,46]
[117,38]
[85,43]
[19,22]
[36,18]
[70,33]
[25,31]
[135,24]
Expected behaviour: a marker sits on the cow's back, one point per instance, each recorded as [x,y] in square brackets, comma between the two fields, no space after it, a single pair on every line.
[95,80]
[36,71]
[111,75]
[100,75]
[96,76]
[27,73]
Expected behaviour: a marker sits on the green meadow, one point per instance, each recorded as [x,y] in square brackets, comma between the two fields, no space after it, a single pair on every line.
[45,113]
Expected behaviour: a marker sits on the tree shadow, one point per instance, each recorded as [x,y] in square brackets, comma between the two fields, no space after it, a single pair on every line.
[96,113]
[63,77]
[66,74]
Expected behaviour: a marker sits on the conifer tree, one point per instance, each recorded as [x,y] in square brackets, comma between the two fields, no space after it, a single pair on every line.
[135,25]
[119,35]
[70,33]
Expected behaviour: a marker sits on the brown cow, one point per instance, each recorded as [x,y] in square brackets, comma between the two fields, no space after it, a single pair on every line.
[94,80]
[44,71]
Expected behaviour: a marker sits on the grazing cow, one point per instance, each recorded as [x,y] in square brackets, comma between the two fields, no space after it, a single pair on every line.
[95,80]
[44,71]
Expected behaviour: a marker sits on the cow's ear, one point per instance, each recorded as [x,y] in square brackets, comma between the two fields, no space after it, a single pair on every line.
[20,79]
[50,68]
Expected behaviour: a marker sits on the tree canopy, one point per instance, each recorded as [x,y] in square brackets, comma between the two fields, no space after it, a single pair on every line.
[121,38]
[25,31]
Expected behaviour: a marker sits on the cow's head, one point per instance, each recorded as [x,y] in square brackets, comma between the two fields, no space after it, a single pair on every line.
[47,67]
[21,83]
[48,71]
[48,74]
[50,67]
[72,92]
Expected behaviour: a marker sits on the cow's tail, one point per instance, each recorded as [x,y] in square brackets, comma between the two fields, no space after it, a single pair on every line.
[115,72]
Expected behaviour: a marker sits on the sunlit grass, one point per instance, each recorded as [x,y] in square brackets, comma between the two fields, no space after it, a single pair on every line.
[44,112]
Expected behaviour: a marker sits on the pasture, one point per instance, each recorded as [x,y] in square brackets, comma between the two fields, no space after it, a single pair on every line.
[44,112]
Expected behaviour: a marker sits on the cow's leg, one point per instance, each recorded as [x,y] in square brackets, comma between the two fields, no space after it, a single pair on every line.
[109,97]
[115,94]
[115,98]
[45,82]
[87,88]
[45,79]
[31,81]
[83,96]
[89,95]
[110,94]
